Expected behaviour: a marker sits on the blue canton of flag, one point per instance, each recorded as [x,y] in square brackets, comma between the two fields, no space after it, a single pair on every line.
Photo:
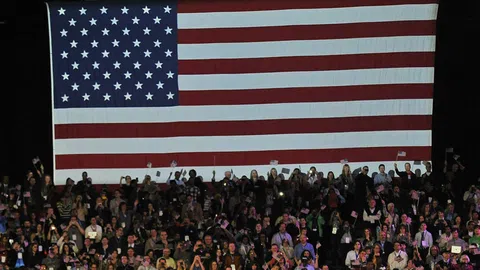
[114,55]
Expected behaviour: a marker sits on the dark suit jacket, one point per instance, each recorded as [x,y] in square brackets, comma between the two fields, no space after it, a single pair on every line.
[387,248]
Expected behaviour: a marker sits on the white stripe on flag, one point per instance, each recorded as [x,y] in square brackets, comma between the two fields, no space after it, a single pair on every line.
[306,79]
[243,143]
[110,176]
[307,16]
[306,47]
[245,112]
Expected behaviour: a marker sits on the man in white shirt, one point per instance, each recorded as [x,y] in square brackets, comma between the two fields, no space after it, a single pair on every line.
[397,259]
[94,231]
[423,240]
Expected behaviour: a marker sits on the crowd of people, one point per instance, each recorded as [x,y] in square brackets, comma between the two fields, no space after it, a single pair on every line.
[302,221]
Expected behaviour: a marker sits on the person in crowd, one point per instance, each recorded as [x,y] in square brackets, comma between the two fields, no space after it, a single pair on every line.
[274,221]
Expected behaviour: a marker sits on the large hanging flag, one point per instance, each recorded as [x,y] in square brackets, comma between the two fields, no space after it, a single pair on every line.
[239,83]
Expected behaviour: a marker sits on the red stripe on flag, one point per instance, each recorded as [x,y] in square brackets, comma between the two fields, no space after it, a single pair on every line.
[307,63]
[192,159]
[189,6]
[306,32]
[312,94]
[232,128]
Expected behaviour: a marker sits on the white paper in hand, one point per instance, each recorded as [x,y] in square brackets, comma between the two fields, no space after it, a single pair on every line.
[173,164]
[456,249]
[149,164]
[344,161]
[354,214]
[456,157]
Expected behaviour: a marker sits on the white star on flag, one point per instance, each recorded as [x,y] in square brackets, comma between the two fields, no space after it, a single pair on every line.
[170,95]
[96,86]
[93,22]
[106,75]
[64,55]
[73,44]
[86,76]
[65,98]
[104,10]
[61,11]
[149,96]
[168,30]
[136,65]
[157,43]
[117,86]
[86,97]
[147,53]
[94,44]
[84,32]
[160,85]
[158,64]
[114,21]
[116,65]
[170,75]
[136,43]
[146,31]
[135,20]
[106,97]
[63,33]
[105,31]
[127,75]
[124,10]
[126,54]
[148,75]
[168,53]
[96,65]
[84,54]
[83,11]
[72,22]
[105,54]
[65,76]
[126,31]
[156,20]
[146,10]
[128,96]
[167,9]
[75,87]
[75,65]
[115,43]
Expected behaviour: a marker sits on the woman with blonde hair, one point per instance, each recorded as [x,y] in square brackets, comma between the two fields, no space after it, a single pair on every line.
[346,181]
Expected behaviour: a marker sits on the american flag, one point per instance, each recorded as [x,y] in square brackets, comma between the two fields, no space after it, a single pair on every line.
[231,85]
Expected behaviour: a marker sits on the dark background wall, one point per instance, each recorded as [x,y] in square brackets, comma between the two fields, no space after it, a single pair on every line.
[25,93]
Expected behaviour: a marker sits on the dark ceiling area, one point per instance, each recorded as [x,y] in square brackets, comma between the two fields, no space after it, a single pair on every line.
[26,75]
